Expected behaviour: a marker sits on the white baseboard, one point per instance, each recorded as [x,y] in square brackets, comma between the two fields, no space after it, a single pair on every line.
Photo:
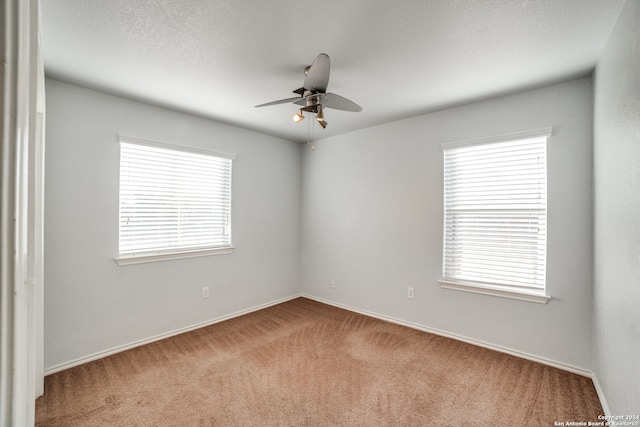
[533,358]
[544,361]
[600,392]
[114,350]
[412,325]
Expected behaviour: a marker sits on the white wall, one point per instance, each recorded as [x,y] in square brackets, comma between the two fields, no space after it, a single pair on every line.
[372,221]
[91,304]
[616,306]
[370,203]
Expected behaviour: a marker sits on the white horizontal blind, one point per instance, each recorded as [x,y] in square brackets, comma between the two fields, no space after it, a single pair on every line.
[496,214]
[173,200]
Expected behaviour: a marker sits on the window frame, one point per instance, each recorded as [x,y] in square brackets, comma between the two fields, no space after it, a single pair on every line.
[499,290]
[158,255]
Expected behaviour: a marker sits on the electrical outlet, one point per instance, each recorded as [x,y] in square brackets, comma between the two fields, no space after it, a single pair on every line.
[205,292]
[333,284]
[410,293]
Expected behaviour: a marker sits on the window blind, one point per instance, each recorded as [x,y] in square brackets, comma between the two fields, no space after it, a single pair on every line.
[495,200]
[173,200]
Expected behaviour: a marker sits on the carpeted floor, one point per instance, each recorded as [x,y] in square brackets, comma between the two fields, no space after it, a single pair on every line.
[303,363]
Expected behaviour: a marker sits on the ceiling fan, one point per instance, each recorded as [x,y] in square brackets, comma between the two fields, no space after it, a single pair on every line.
[313,96]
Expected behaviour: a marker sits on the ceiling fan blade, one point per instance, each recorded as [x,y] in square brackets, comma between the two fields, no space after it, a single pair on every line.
[281,101]
[317,78]
[337,102]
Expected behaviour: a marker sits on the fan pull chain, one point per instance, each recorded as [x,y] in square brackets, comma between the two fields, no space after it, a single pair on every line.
[310,135]
[313,136]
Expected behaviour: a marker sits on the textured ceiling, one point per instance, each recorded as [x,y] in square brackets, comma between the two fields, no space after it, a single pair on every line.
[402,58]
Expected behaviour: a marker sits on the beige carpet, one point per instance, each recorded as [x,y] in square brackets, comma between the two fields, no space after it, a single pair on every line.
[303,363]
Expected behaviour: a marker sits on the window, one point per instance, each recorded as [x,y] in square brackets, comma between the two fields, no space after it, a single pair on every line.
[495,202]
[175,202]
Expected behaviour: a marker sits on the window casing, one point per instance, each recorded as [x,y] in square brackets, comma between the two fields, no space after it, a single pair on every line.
[495,215]
[175,202]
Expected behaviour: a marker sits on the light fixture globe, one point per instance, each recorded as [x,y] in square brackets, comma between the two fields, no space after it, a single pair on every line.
[298,117]
[320,117]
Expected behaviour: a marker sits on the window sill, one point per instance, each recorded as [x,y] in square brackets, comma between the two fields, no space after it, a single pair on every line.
[168,256]
[496,291]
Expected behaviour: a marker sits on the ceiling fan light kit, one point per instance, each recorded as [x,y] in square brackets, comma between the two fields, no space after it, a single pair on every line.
[313,96]
[298,117]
